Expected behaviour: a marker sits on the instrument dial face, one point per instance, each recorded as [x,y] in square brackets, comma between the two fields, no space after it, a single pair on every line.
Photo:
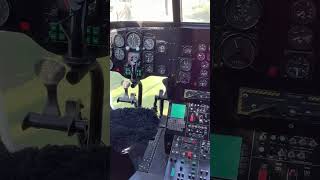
[298,67]
[161,69]
[118,40]
[237,52]
[148,68]
[204,73]
[4,11]
[185,64]
[300,38]
[202,47]
[162,47]
[119,54]
[148,44]
[187,51]
[304,11]
[204,65]
[148,57]
[243,14]
[133,40]
[203,82]
[184,77]
[201,56]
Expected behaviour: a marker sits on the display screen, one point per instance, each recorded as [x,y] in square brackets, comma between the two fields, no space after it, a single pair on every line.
[178,111]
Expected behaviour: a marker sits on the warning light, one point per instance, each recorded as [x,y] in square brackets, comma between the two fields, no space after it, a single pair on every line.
[24,26]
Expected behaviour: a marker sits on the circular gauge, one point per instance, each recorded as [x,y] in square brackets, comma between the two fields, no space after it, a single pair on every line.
[118,40]
[298,67]
[187,50]
[201,56]
[300,38]
[148,57]
[203,82]
[119,54]
[202,47]
[304,11]
[161,69]
[237,52]
[4,11]
[148,68]
[204,73]
[133,40]
[161,47]
[184,77]
[185,64]
[243,14]
[204,65]
[111,64]
[148,44]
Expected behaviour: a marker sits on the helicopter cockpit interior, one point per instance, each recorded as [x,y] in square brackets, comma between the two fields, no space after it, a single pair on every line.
[265,89]
[167,39]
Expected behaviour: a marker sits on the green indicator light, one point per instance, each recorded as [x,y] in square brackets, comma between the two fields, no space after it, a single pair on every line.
[89,30]
[53,35]
[178,111]
[95,40]
[88,39]
[53,27]
[173,172]
[60,28]
[95,30]
[62,37]
[127,71]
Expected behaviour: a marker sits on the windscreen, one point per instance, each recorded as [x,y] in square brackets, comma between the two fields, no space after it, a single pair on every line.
[141,10]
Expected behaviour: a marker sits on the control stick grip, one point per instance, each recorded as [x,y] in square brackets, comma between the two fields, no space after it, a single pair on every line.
[66,124]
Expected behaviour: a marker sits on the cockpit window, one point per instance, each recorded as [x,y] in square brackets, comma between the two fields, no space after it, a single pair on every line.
[195,11]
[141,10]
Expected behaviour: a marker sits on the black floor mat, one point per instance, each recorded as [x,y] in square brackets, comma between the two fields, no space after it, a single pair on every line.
[56,162]
[132,127]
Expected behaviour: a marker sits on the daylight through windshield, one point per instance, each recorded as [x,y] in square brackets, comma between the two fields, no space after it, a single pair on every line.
[159,10]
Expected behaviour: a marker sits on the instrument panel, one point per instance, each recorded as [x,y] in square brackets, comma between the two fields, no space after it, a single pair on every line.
[47,22]
[182,54]
[279,42]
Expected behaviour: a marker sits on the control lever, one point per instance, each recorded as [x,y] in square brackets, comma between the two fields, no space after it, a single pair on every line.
[161,97]
[126,98]
[51,73]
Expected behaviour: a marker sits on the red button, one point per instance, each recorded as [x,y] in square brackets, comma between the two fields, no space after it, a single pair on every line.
[263,174]
[273,72]
[189,154]
[24,26]
[192,118]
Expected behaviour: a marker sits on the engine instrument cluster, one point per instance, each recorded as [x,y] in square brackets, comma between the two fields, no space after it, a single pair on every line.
[267,41]
[47,22]
[163,51]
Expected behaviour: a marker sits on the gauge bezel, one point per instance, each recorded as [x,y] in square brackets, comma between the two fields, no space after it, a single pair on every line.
[297,19]
[226,6]
[138,35]
[190,47]
[144,55]
[204,55]
[153,40]
[7,15]
[114,40]
[185,69]
[237,36]
[202,50]
[203,78]
[148,65]
[309,59]
[296,46]
[114,54]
